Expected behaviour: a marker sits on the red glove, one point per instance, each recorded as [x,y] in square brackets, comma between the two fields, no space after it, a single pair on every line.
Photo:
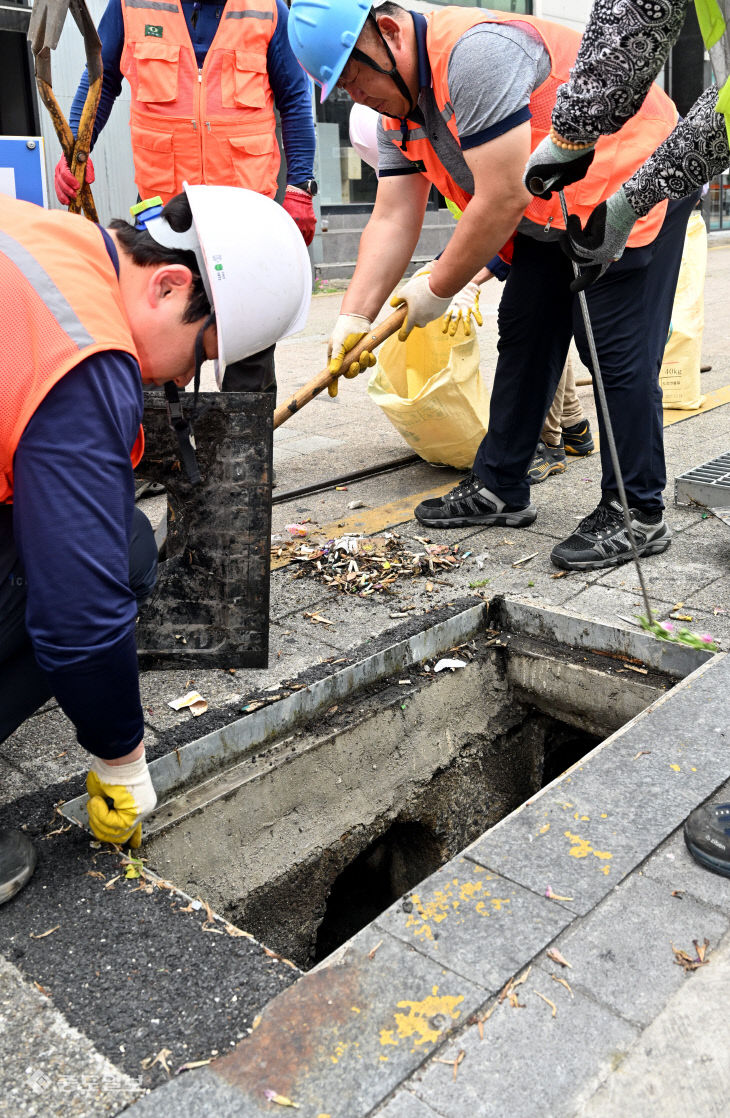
[66,184]
[298,204]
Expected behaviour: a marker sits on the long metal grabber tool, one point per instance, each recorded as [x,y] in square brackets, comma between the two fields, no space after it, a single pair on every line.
[44,31]
[322,380]
[598,382]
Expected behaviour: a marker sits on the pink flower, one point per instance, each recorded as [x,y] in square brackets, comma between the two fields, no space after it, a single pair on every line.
[667,625]
[706,638]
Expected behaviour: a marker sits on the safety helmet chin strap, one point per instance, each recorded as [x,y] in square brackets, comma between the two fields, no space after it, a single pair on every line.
[393,72]
[182,426]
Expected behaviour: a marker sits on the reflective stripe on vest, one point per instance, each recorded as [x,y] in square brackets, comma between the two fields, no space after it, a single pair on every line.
[214,125]
[60,304]
[616,158]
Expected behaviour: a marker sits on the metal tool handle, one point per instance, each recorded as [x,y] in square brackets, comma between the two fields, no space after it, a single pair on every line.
[322,380]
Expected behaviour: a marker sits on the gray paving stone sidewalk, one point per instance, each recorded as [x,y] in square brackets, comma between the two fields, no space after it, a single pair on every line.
[623,1036]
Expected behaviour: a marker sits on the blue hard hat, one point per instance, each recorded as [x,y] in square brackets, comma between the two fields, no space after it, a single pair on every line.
[322,34]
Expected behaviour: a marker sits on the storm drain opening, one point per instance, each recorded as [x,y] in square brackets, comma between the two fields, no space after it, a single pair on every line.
[313,832]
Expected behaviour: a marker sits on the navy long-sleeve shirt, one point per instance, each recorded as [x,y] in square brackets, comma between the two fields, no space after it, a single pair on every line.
[289,84]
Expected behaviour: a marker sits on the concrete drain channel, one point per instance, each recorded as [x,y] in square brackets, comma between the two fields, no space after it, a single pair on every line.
[302,821]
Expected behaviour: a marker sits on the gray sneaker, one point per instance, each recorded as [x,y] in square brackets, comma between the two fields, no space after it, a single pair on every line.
[470,502]
[17,862]
[601,539]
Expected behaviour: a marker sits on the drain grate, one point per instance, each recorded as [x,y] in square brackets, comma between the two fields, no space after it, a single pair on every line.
[707,485]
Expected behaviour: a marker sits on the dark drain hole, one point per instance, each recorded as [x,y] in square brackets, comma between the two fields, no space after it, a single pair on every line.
[391,866]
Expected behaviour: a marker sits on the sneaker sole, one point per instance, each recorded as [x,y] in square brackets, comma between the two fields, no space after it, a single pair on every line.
[654,548]
[706,860]
[14,884]
[519,519]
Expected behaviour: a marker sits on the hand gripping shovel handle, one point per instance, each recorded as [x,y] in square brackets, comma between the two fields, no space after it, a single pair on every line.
[322,380]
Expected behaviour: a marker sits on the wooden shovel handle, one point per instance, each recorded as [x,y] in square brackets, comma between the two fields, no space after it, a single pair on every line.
[321,381]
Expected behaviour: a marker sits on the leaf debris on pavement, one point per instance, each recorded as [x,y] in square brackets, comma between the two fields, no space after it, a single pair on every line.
[161,1059]
[683,959]
[554,954]
[42,935]
[562,982]
[282,1100]
[552,1005]
[363,566]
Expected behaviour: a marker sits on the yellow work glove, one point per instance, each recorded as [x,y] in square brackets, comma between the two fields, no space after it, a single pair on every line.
[348,331]
[423,305]
[120,797]
[464,307]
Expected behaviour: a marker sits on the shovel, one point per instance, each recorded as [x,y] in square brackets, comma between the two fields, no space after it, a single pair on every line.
[44,31]
[322,380]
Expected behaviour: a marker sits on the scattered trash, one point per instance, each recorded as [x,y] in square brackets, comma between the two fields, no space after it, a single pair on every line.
[296,530]
[683,959]
[193,701]
[42,935]
[446,663]
[341,488]
[364,566]
[524,559]
[282,1100]
[356,504]
[480,560]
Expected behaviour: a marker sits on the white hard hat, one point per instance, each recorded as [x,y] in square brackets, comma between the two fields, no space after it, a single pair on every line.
[254,265]
[364,133]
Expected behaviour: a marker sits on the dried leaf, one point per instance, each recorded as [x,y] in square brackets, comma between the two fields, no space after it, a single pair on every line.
[685,960]
[42,935]
[42,989]
[559,574]
[160,1058]
[282,1100]
[110,884]
[562,982]
[678,892]
[641,753]
[193,1064]
[371,953]
[548,1002]
[701,949]
[236,933]
[554,954]
[555,896]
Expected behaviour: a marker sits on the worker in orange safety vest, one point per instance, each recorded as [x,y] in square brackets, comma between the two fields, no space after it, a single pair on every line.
[205,78]
[464,95]
[90,315]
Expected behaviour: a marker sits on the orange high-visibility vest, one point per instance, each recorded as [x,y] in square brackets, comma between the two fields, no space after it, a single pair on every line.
[616,158]
[214,125]
[60,303]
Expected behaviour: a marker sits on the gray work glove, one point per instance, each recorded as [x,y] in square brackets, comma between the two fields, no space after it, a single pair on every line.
[601,241]
[552,168]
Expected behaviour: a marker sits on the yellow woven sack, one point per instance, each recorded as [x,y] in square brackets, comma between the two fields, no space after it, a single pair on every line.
[680,372]
[432,392]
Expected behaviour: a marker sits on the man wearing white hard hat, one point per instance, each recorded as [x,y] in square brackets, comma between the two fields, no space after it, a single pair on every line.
[90,315]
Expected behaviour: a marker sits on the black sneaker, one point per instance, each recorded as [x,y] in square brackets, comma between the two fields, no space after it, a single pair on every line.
[578,438]
[548,460]
[17,862]
[601,539]
[707,834]
[470,502]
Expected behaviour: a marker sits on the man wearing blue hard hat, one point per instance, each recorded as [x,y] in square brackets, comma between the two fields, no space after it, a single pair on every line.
[464,95]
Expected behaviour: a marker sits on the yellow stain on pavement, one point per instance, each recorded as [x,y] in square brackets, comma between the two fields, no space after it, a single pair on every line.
[581,848]
[417,1024]
[676,768]
[448,901]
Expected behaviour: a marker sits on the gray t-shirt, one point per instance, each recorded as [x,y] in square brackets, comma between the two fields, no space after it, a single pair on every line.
[493,70]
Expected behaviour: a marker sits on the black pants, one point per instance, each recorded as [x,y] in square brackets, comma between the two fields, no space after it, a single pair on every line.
[252,374]
[630,310]
[23,686]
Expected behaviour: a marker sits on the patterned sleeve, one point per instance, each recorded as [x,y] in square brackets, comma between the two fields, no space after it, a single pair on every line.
[696,150]
[625,45]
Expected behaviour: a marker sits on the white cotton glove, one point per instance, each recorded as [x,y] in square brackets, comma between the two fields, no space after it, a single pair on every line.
[348,331]
[464,307]
[423,305]
[120,797]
